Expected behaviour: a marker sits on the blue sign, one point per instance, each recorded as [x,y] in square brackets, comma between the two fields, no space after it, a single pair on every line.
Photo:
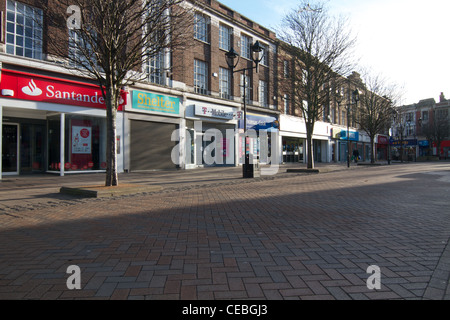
[257,122]
[353,135]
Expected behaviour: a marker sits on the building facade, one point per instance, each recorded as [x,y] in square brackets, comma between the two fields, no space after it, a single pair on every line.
[188,113]
[422,130]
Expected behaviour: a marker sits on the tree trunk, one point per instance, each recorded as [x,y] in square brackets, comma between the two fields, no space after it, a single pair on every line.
[112,177]
[310,149]
[374,150]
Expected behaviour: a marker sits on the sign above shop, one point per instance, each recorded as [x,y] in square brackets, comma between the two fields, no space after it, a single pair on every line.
[25,86]
[352,135]
[383,140]
[151,102]
[260,122]
[405,143]
[220,112]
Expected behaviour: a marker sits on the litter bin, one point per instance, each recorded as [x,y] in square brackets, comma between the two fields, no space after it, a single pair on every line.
[251,169]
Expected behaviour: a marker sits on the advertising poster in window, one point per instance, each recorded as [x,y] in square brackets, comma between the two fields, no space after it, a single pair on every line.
[81,140]
[81,145]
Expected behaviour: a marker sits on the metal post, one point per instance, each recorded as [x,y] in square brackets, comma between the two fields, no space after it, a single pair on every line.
[62,145]
[246,164]
[1,147]
[348,136]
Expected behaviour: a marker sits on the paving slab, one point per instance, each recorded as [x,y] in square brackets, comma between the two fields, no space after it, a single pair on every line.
[209,234]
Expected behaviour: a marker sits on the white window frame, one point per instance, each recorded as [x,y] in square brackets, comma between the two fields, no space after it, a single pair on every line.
[265,53]
[201,27]
[287,105]
[286,69]
[23,30]
[263,93]
[225,37]
[200,77]
[246,42]
[225,83]
[154,69]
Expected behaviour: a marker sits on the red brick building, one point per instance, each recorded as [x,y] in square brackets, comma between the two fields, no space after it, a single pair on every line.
[53,120]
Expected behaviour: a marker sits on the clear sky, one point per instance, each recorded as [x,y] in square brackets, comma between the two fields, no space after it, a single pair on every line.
[407,41]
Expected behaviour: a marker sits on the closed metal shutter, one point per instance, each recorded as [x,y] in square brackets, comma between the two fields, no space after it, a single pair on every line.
[151,145]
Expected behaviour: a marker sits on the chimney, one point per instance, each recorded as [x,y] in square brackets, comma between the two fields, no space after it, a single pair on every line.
[442,97]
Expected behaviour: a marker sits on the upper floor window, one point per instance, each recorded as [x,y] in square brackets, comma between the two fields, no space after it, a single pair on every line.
[265,55]
[23,30]
[154,69]
[286,69]
[263,93]
[80,51]
[333,115]
[201,27]
[442,114]
[225,83]
[246,43]
[225,38]
[410,117]
[200,77]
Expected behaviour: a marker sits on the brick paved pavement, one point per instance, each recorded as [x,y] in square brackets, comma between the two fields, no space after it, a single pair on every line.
[293,236]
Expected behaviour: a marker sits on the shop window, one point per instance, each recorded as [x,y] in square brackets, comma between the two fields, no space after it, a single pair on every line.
[85,143]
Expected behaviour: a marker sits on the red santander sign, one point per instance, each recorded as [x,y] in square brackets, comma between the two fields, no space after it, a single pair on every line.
[25,86]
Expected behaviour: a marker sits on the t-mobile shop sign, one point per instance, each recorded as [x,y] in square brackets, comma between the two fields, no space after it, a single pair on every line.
[25,86]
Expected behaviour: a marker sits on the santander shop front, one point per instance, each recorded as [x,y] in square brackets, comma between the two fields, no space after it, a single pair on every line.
[51,124]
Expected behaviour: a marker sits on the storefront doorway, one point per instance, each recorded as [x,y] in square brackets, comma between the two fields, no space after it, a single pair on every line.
[32,148]
[24,152]
[10,148]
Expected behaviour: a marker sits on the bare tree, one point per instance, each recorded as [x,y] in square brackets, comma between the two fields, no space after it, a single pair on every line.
[111,41]
[401,117]
[320,47]
[375,112]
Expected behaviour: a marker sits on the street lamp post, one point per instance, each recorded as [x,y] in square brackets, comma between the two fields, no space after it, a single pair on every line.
[355,99]
[339,97]
[391,134]
[395,134]
[408,131]
[232,58]
[417,137]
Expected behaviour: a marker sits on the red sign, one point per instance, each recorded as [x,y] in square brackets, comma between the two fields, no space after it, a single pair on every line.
[383,140]
[32,87]
[84,133]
